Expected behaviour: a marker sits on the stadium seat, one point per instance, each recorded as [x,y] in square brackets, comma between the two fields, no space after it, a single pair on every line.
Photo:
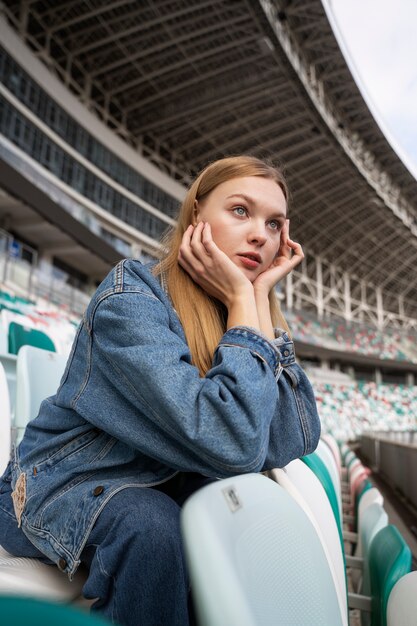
[314,462]
[357,479]
[17,611]
[20,336]
[373,519]
[331,442]
[371,496]
[5,421]
[38,374]
[4,341]
[8,362]
[34,579]
[402,602]
[255,558]
[324,452]
[304,486]
[389,559]
[364,486]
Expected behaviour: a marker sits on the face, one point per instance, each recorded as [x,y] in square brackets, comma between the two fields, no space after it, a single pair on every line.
[246,216]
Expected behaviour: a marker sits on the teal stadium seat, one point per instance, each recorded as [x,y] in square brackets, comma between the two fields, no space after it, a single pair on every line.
[17,611]
[374,518]
[389,560]
[326,455]
[20,336]
[255,558]
[314,462]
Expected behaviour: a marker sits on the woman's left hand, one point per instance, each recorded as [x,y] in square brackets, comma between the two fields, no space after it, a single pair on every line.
[290,254]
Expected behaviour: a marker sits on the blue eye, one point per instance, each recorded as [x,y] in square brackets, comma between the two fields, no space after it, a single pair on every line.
[275,225]
[240,210]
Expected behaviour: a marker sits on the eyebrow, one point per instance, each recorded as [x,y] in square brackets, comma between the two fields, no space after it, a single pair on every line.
[250,200]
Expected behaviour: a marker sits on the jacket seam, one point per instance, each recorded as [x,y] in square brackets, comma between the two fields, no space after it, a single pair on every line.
[238,345]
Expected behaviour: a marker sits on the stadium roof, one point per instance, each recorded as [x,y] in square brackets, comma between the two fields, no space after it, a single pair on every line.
[187,82]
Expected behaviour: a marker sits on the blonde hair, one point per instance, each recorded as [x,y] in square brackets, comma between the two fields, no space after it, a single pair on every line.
[203,317]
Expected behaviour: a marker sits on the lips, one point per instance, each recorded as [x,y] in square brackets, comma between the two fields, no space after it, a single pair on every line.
[250,260]
[251,255]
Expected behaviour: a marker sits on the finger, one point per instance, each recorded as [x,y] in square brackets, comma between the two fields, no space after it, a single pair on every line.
[186,238]
[296,247]
[186,256]
[284,249]
[285,232]
[298,254]
[207,239]
[197,244]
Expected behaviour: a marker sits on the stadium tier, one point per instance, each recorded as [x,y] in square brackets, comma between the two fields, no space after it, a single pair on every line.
[347,410]
[337,334]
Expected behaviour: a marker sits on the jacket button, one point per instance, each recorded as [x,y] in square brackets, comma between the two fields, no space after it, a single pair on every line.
[98,490]
[286,353]
[62,564]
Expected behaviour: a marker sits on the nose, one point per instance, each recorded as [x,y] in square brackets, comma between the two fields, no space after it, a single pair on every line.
[257,233]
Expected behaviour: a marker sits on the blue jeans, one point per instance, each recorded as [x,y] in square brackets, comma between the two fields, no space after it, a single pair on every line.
[134,553]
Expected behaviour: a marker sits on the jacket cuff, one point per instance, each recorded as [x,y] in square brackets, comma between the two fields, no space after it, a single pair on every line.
[247,337]
[285,347]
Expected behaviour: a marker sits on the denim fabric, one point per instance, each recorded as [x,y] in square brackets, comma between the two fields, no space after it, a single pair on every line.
[134,553]
[132,410]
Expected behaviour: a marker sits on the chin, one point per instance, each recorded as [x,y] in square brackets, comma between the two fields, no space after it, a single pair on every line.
[252,276]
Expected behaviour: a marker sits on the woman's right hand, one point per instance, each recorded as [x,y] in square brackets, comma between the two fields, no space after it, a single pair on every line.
[211,268]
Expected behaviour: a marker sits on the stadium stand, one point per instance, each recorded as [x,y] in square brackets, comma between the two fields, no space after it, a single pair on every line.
[347,410]
[362,338]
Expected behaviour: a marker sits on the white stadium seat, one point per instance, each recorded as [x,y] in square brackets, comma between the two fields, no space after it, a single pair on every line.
[255,557]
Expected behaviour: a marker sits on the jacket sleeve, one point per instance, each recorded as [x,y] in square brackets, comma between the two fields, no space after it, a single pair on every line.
[156,401]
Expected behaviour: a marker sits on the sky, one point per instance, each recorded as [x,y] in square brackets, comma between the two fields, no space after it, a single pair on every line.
[379,41]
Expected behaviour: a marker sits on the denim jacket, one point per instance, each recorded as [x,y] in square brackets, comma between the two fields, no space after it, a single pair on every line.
[132,410]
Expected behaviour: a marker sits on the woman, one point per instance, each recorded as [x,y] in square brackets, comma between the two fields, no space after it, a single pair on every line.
[176,377]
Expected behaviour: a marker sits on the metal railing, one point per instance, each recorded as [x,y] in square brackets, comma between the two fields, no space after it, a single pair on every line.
[394,456]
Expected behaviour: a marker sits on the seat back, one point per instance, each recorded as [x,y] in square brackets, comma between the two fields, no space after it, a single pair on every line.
[373,519]
[314,462]
[334,447]
[38,374]
[324,452]
[255,558]
[402,602]
[389,559]
[348,457]
[371,496]
[5,420]
[20,336]
[304,486]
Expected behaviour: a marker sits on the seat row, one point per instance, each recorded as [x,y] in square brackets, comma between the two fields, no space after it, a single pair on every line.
[265,553]
[306,543]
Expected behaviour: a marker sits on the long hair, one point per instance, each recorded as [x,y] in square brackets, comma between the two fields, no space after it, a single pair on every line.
[204,318]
